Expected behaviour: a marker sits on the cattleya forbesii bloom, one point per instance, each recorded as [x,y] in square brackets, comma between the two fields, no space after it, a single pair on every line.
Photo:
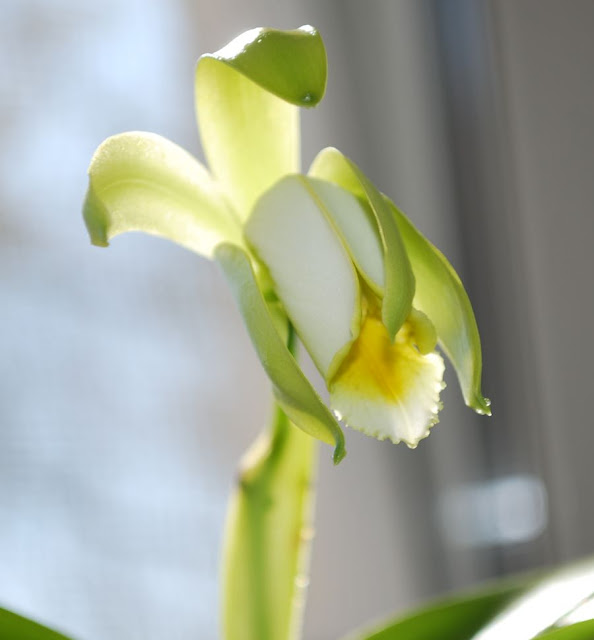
[325,254]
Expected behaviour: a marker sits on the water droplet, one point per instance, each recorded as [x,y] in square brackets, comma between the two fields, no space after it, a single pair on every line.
[306,98]
[411,445]
[337,414]
[302,582]
[488,402]
[307,533]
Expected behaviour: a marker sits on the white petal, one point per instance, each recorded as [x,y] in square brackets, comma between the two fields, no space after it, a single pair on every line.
[388,390]
[312,272]
[358,229]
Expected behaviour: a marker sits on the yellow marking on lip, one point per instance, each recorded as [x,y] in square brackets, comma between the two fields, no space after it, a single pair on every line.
[377,368]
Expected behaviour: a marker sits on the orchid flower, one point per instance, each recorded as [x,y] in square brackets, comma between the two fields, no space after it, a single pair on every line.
[324,253]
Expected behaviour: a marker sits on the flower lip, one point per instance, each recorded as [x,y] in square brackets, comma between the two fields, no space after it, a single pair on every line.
[388,389]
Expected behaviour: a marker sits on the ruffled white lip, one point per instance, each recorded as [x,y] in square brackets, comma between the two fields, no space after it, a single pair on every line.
[388,390]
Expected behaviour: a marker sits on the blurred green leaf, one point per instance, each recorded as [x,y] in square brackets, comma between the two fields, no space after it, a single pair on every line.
[15,627]
[525,608]
[578,631]
[456,618]
[247,99]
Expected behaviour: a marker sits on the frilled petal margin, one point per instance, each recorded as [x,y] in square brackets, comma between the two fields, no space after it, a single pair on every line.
[388,389]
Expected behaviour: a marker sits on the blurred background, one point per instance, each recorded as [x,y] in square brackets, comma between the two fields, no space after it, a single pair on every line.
[128,385]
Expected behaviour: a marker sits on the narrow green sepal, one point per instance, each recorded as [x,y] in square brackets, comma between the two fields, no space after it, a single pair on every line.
[399,280]
[440,294]
[292,389]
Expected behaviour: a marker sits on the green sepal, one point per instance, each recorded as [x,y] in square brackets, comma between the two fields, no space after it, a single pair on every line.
[15,627]
[144,182]
[440,294]
[292,389]
[399,280]
[247,99]
[289,64]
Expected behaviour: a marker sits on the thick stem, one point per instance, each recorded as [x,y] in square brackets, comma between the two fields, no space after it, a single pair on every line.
[269,530]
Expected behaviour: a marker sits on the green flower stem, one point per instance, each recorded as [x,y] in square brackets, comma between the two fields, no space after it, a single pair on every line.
[269,530]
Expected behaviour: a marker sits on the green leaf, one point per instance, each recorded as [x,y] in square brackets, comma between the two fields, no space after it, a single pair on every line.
[247,99]
[269,531]
[554,601]
[523,608]
[579,631]
[143,182]
[292,389]
[15,627]
[399,281]
[455,618]
[441,296]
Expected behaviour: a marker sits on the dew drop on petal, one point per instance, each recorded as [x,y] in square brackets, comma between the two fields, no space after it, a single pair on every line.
[307,534]
[302,582]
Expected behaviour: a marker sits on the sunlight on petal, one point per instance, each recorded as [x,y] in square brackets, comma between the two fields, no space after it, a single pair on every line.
[388,390]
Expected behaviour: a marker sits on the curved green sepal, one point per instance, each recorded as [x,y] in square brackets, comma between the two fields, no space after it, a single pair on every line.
[399,280]
[268,535]
[292,389]
[441,296]
[247,99]
[143,182]
[15,627]
[289,64]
